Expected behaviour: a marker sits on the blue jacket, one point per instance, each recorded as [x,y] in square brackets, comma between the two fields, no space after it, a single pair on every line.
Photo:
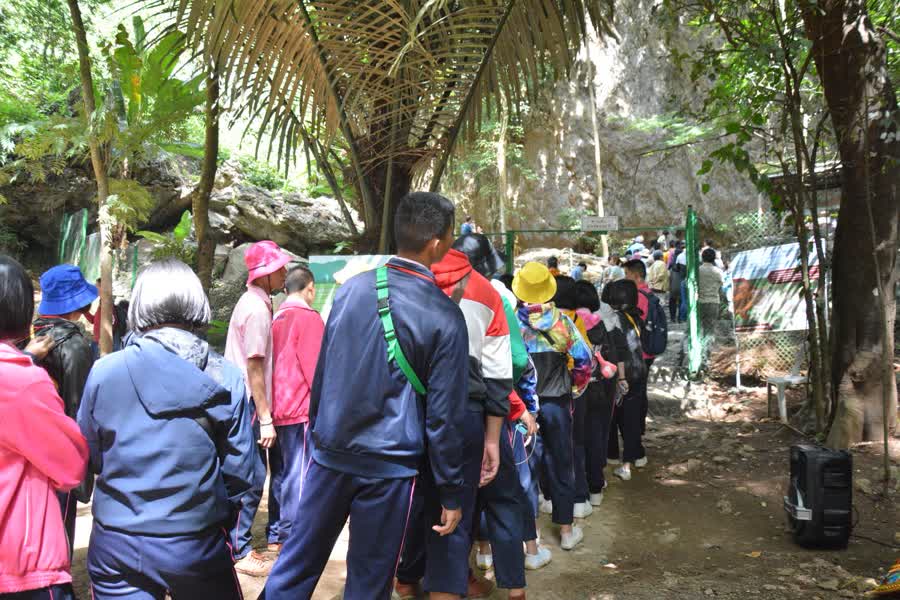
[159,472]
[366,418]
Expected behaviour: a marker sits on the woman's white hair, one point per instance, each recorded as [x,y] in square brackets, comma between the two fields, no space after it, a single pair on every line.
[168,293]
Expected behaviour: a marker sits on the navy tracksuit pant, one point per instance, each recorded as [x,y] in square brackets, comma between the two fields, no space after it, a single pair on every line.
[628,420]
[506,516]
[443,562]
[522,454]
[557,461]
[54,592]
[241,536]
[294,461]
[378,510]
[597,423]
[143,567]
[68,504]
[579,453]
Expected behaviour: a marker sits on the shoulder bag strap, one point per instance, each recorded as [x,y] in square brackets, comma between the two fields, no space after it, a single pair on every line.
[395,352]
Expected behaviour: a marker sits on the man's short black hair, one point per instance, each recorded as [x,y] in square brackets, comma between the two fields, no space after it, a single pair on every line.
[708,255]
[565,293]
[586,296]
[636,267]
[582,265]
[655,245]
[16,300]
[672,243]
[468,218]
[506,279]
[420,218]
[297,279]
[710,243]
[552,263]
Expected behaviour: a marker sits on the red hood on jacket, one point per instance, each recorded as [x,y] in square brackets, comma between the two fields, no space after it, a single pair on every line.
[454,266]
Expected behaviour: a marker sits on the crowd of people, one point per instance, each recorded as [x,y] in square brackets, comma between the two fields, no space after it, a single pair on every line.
[442,407]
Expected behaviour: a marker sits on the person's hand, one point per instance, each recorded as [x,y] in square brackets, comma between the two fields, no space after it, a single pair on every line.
[490,463]
[623,386]
[529,422]
[449,520]
[40,346]
[267,434]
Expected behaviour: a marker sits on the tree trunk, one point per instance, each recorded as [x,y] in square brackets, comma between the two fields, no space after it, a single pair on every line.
[200,197]
[598,163]
[502,179]
[851,62]
[99,165]
[400,181]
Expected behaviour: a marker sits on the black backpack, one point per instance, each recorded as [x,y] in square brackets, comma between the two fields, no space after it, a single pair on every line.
[655,328]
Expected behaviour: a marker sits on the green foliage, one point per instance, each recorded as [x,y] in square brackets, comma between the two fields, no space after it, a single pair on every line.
[173,244]
[264,175]
[754,56]
[129,203]
[146,104]
[38,65]
[9,240]
[677,129]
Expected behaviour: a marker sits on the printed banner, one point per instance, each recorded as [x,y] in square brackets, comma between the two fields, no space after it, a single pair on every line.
[767,289]
[333,271]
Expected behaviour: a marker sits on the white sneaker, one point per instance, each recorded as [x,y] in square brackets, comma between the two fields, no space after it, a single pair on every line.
[623,473]
[613,461]
[597,499]
[572,539]
[583,510]
[547,507]
[641,463]
[484,561]
[533,562]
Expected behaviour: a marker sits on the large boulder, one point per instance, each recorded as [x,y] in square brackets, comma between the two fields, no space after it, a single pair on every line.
[290,219]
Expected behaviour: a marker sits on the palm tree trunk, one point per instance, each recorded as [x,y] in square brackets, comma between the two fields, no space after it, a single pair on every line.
[100,173]
[200,199]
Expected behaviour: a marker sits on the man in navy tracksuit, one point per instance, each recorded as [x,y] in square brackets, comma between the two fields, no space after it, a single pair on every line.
[371,430]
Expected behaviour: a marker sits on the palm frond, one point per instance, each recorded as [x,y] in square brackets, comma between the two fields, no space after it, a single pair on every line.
[426,69]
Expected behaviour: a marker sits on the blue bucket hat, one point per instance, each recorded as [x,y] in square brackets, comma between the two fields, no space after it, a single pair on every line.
[65,290]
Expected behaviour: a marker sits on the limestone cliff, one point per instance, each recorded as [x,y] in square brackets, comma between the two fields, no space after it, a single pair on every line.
[638,90]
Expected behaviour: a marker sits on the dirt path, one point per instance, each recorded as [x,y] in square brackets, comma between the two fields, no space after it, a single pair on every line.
[703,520]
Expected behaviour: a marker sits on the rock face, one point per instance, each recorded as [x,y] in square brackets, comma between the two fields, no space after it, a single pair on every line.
[292,220]
[239,212]
[637,88]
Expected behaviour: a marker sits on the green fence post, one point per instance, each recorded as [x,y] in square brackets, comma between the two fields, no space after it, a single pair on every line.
[510,250]
[695,344]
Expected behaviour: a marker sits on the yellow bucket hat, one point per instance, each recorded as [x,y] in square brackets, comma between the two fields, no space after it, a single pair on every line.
[534,284]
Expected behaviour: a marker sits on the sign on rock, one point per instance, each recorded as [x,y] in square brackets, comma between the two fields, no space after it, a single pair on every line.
[591,223]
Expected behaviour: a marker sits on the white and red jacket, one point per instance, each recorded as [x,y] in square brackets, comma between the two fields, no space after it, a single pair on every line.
[41,451]
[490,357]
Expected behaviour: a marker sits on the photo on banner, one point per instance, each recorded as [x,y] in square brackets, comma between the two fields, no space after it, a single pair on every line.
[766,288]
[333,271]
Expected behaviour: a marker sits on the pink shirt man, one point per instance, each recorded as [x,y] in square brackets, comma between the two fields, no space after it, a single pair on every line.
[296,338]
[249,334]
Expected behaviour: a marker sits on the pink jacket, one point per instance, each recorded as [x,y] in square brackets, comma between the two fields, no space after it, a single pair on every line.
[296,338]
[41,451]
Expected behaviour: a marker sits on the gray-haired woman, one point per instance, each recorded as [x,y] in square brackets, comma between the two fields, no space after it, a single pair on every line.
[168,426]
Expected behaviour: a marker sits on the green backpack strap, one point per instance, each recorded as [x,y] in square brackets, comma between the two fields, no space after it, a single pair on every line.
[395,352]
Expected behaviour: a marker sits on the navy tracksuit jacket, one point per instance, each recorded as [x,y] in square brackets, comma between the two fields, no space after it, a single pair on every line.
[371,432]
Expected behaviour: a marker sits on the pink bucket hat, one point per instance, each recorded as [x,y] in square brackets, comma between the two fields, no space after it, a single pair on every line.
[264,258]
